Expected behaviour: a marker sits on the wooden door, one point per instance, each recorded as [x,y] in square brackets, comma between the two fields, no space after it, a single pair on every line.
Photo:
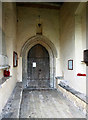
[38,67]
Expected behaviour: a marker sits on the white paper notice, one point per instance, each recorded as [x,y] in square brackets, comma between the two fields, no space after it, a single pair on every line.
[34,64]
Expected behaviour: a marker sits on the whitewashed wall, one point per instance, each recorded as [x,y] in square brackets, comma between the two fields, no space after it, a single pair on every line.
[9,29]
[73,42]
[26,28]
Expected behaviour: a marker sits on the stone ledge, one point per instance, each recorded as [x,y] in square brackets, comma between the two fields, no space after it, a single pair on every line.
[79,103]
[4,67]
[74,92]
[3,79]
[12,108]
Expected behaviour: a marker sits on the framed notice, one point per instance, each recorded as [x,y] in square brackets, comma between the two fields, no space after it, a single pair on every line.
[15,59]
[34,64]
[70,64]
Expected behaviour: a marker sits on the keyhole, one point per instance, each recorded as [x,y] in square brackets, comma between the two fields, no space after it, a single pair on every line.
[40,70]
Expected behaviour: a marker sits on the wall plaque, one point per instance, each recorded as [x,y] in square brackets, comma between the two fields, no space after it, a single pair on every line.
[70,64]
[15,59]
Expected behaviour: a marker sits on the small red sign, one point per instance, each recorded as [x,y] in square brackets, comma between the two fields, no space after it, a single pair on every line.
[79,74]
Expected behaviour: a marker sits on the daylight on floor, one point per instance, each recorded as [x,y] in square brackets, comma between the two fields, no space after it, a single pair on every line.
[43,60]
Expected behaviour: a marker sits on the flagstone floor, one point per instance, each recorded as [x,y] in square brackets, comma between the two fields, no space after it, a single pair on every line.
[47,104]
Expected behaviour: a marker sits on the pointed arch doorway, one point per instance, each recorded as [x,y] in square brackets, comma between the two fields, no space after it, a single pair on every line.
[38,68]
[51,50]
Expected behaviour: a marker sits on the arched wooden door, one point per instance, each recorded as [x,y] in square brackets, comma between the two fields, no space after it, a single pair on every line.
[38,67]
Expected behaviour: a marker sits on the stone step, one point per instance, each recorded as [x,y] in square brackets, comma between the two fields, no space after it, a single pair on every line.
[38,89]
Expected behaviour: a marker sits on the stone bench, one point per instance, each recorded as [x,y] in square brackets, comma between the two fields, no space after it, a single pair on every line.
[12,108]
[77,98]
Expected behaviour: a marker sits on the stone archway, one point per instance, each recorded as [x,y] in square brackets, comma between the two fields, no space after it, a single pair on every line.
[45,42]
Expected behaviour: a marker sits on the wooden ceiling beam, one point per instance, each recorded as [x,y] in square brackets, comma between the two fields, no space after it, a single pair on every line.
[50,5]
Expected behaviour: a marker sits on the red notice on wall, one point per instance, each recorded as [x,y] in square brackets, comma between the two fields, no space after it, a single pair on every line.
[79,74]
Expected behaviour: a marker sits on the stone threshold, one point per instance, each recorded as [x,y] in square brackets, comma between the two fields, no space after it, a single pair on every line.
[38,89]
[12,107]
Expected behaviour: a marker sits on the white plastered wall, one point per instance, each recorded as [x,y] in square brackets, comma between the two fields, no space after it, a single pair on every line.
[80,46]
[9,29]
[26,28]
[73,42]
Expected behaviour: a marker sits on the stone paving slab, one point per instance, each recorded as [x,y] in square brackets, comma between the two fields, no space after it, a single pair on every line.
[47,104]
[11,109]
[39,103]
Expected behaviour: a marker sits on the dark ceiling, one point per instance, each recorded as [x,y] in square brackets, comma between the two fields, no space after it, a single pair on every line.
[51,5]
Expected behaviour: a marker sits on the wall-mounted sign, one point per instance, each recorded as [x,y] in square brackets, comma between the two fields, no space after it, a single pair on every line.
[15,59]
[70,64]
[34,64]
[86,56]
